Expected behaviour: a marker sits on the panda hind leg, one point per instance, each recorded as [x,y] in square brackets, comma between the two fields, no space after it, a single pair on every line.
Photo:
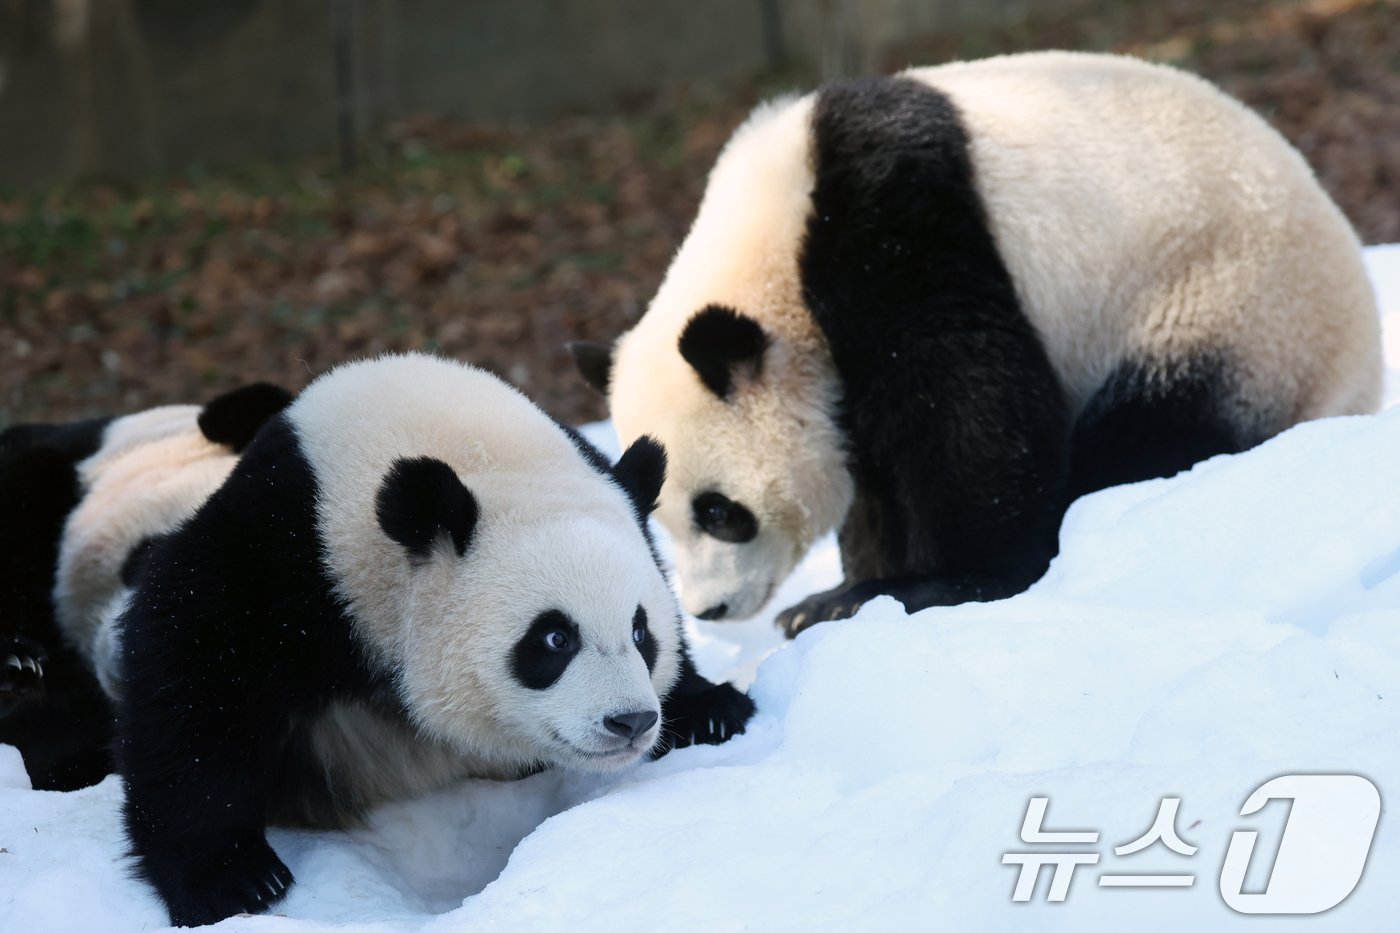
[1151,420]
[21,672]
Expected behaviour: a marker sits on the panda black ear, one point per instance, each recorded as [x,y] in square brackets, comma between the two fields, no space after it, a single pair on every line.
[719,341]
[641,470]
[421,503]
[594,362]
[234,418]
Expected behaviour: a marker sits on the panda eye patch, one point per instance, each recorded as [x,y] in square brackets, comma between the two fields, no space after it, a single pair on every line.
[724,519]
[543,653]
[641,637]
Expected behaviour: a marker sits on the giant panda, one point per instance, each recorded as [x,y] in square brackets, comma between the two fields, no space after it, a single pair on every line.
[78,502]
[932,309]
[411,576]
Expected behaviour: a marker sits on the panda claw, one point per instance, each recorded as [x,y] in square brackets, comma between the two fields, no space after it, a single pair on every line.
[13,661]
[708,716]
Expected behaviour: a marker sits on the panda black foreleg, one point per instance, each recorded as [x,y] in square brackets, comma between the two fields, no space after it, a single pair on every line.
[196,810]
[698,712]
[211,875]
[915,594]
[960,459]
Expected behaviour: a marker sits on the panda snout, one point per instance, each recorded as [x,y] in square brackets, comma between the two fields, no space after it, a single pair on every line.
[714,613]
[630,725]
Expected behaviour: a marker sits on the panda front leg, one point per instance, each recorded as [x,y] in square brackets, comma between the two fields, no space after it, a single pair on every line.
[21,672]
[197,750]
[934,529]
[698,712]
[203,873]
[844,601]
[198,831]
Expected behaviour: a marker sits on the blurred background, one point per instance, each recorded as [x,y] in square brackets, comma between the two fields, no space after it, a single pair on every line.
[194,195]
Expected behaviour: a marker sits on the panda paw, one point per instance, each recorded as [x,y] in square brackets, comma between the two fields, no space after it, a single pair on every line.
[706,717]
[831,606]
[21,672]
[248,879]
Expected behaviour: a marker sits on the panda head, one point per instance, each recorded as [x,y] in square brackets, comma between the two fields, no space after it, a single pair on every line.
[530,633]
[757,469]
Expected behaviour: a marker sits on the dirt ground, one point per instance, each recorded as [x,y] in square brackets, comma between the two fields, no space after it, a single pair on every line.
[498,244]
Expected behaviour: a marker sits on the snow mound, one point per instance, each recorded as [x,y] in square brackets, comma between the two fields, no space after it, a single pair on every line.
[1196,637]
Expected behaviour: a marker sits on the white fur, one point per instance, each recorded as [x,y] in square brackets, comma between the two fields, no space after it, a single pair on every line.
[552,534]
[1138,209]
[151,472]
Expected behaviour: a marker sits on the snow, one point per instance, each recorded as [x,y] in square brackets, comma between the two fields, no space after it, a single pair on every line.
[1196,637]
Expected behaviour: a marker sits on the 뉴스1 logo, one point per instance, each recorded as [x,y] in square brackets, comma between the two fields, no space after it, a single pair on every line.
[1320,857]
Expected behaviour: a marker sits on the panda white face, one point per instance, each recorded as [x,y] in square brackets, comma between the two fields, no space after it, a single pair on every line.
[756,469]
[733,542]
[576,677]
[533,628]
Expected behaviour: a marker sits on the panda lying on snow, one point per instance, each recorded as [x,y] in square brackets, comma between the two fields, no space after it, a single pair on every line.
[933,309]
[411,576]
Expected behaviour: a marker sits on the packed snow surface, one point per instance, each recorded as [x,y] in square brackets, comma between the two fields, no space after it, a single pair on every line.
[1196,637]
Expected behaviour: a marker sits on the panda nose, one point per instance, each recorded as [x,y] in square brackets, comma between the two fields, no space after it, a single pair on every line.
[630,725]
[714,613]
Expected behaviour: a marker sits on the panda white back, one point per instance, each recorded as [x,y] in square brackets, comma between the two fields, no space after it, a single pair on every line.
[1218,250]
[152,470]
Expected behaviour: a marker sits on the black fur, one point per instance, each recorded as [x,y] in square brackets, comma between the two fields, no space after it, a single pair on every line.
[961,444]
[21,672]
[234,418]
[63,723]
[594,458]
[718,342]
[594,362]
[136,562]
[722,518]
[241,643]
[76,441]
[422,502]
[1149,420]
[646,647]
[698,712]
[537,665]
[641,471]
[956,421]
[54,712]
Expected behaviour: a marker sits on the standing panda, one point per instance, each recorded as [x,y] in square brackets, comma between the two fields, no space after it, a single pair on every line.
[78,502]
[411,576]
[933,309]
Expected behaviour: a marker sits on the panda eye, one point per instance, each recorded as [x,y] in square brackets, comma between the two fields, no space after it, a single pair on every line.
[639,635]
[556,640]
[724,519]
